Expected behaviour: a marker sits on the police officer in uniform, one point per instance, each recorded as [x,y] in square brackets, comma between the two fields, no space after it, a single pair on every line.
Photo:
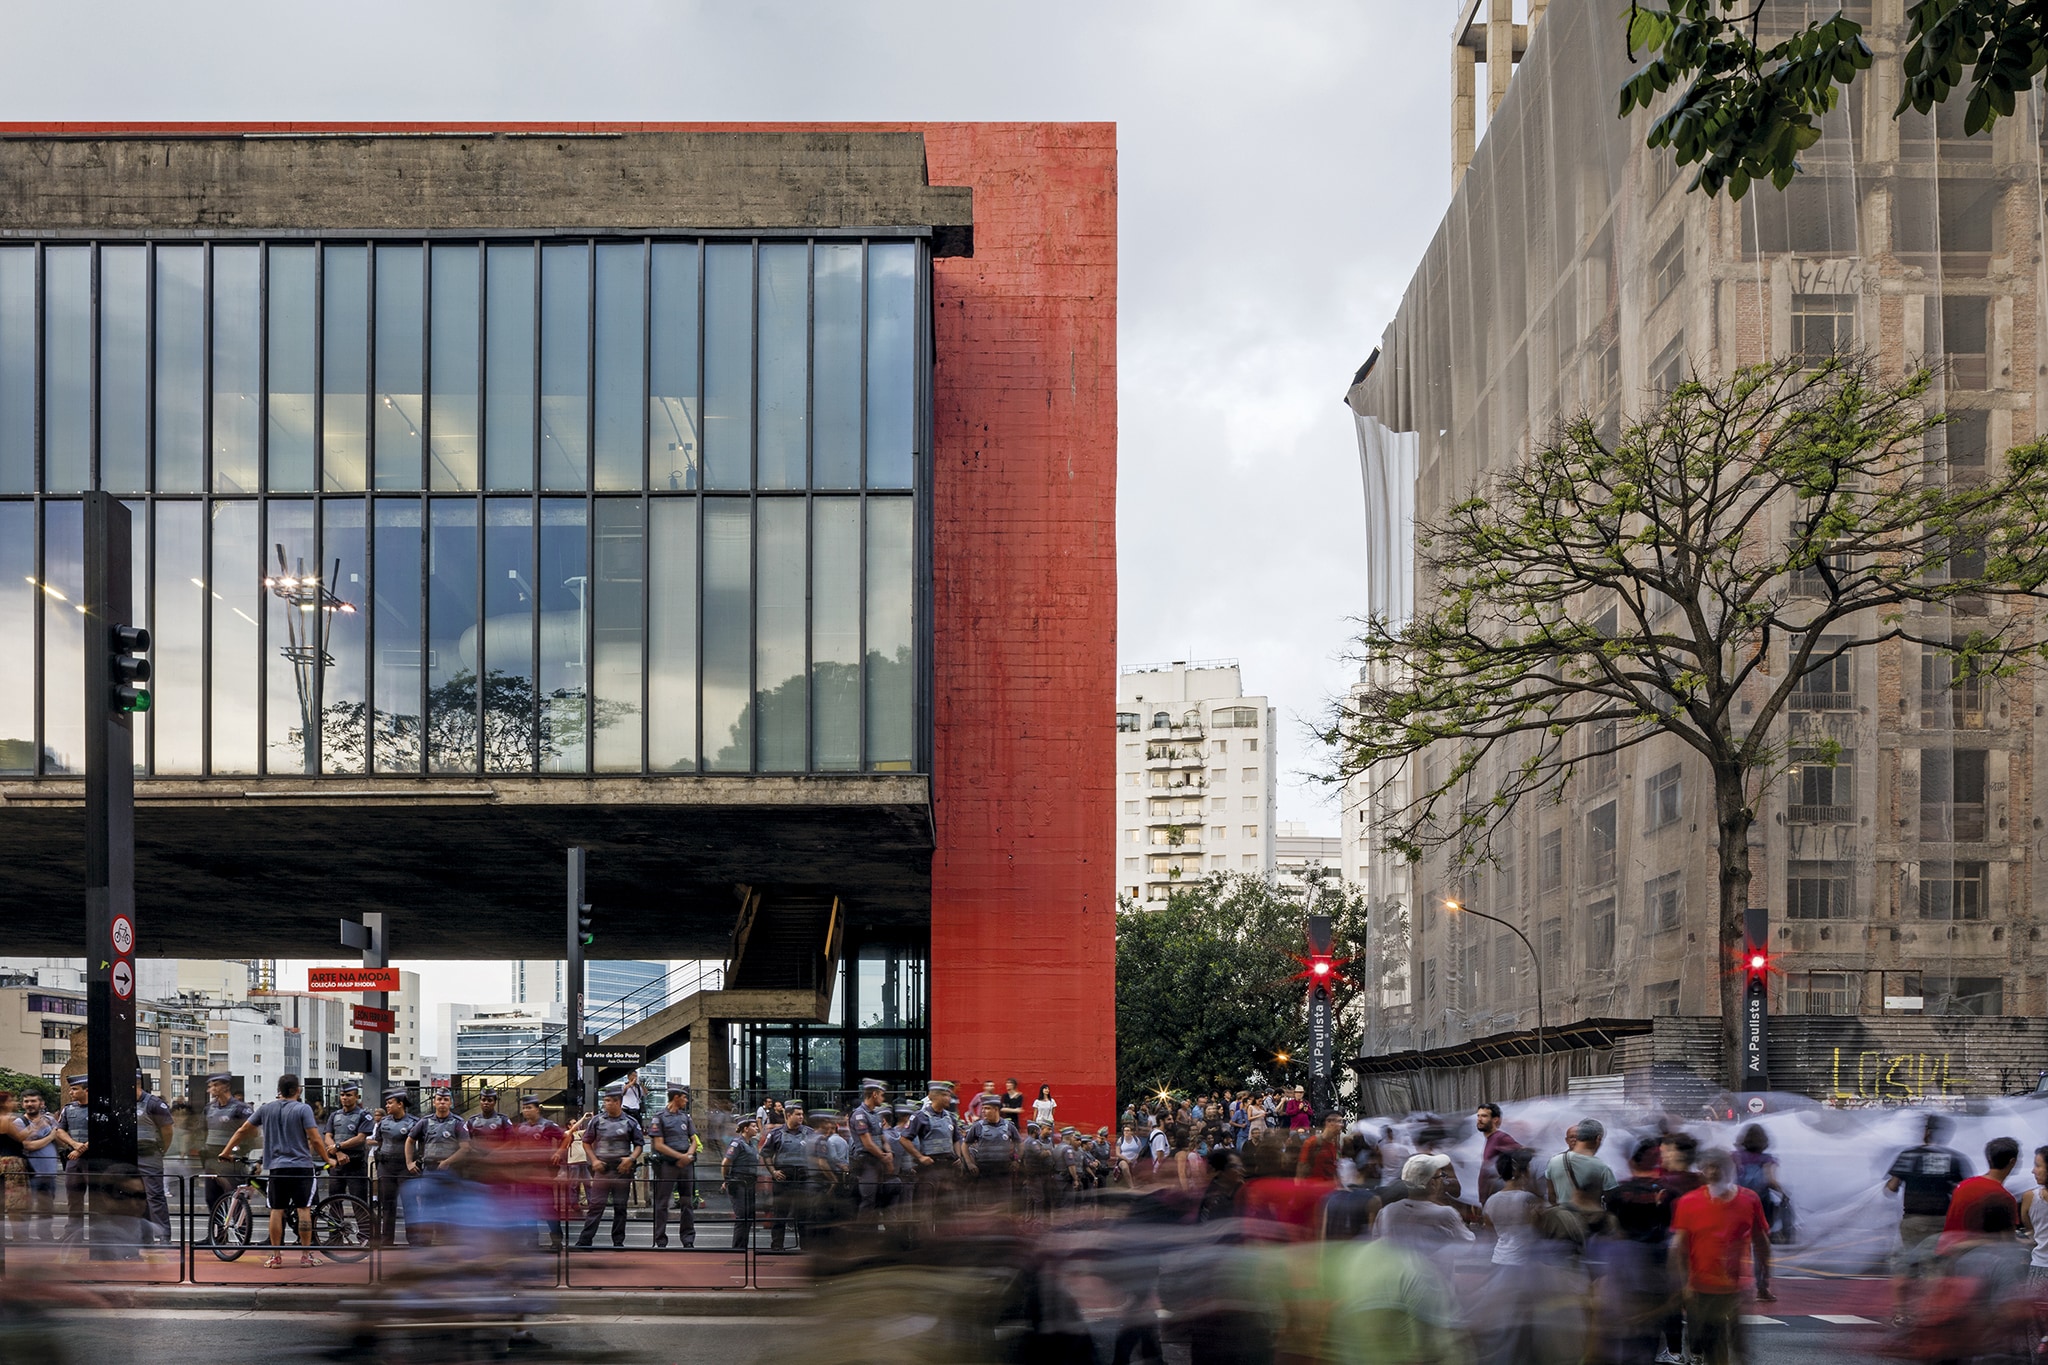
[791,1161]
[388,1139]
[613,1140]
[740,1171]
[489,1126]
[872,1163]
[152,1140]
[348,1132]
[992,1146]
[674,1139]
[74,1120]
[933,1137]
[438,1138]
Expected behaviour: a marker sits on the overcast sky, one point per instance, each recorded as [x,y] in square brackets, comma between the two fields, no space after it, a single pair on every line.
[1281,169]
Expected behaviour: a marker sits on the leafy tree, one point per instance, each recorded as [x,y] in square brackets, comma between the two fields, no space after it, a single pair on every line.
[516,726]
[1639,583]
[1749,107]
[22,1084]
[1206,986]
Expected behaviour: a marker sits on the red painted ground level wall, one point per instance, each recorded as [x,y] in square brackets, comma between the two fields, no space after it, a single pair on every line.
[1023,882]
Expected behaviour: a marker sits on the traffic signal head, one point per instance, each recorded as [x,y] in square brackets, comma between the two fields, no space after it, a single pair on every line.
[586,932]
[1319,968]
[128,673]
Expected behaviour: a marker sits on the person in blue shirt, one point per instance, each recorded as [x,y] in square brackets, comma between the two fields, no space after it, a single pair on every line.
[293,1148]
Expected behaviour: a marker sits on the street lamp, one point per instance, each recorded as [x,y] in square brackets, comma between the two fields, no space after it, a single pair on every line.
[309,609]
[1534,961]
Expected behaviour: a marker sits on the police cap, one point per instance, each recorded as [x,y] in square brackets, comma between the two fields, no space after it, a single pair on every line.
[678,1088]
[932,1087]
[616,1090]
[871,1084]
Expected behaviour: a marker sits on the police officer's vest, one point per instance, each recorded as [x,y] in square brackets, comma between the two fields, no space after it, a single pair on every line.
[490,1127]
[676,1129]
[342,1124]
[745,1157]
[610,1139]
[794,1154]
[937,1138]
[391,1136]
[149,1144]
[438,1137]
[991,1142]
[863,1122]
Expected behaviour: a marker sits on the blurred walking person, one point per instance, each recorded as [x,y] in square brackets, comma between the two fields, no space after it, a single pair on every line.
[1927,1174]
[1717,1233]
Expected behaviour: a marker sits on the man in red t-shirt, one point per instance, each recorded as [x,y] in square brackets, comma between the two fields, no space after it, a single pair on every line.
[1966,1206]
[1487,1118]
[1715,1230]
[1319,1154]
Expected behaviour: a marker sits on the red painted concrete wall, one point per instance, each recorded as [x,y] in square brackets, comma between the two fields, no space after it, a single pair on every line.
[1023,882]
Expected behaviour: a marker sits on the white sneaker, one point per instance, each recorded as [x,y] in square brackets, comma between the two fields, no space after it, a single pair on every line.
[1664,1357]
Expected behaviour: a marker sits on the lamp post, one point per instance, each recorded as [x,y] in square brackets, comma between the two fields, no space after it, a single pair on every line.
[1534,961]
[309,608]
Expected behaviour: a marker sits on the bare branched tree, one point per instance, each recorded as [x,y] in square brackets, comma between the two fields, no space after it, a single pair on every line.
[1738,537]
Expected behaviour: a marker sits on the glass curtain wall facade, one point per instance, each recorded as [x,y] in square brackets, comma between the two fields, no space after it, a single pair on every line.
[476,505]
[877,1029]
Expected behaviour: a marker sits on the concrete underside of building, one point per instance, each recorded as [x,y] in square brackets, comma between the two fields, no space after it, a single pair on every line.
[988,844]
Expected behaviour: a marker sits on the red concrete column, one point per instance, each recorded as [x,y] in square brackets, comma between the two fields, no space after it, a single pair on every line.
[1023,966]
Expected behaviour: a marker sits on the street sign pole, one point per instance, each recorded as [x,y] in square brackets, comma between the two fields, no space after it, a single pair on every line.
[572,990]
[368,938]
[110,930]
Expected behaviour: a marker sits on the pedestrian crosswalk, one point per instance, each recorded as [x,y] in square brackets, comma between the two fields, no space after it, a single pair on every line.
[1833,1319]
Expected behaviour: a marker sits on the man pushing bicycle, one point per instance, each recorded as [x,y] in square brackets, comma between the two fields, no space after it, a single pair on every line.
[293,1147]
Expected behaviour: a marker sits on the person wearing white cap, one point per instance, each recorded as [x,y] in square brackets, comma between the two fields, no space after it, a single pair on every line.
[1425,1219]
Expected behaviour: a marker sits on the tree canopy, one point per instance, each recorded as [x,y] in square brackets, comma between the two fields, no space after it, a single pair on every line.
[1684,578]
[1750,106]
[1206,986]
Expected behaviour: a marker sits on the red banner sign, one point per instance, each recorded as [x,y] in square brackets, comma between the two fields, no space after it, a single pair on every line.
[370,1019]
[352,978]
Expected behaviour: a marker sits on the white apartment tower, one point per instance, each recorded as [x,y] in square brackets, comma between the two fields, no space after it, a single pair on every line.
[1195,776]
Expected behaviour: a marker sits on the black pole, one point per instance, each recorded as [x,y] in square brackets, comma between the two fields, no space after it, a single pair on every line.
[1536,963]
[110,932]
[1321,1009]
[572,986]
[1756,1014]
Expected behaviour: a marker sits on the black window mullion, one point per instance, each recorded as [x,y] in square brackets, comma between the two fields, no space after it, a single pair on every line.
[860,668]
[482,630]
[809,763]
[263,638]
[206,512]
[702,468]
[422,633]
[754,523]
[427,372]
[92,370]
[646,498]
[590,507]
[533,613]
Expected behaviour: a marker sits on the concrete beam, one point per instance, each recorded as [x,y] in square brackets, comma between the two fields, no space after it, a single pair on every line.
[368,179]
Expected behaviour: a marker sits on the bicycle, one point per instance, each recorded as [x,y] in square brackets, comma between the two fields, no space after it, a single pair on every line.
[341,1222]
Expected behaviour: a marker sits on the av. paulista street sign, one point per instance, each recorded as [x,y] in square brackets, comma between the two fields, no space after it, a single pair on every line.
[352,979]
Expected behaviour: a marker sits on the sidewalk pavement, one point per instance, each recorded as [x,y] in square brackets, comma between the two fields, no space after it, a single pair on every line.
[580,1303]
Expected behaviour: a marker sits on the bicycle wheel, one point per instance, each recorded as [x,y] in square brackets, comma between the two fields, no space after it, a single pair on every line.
[228,1226]
[342,1227]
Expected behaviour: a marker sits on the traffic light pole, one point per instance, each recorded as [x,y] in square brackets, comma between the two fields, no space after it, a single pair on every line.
[1321,1020]
[110,931]
[572,990]
[1756,1014]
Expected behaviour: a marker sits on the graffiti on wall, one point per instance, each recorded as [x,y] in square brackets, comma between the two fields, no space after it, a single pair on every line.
[1873,1074]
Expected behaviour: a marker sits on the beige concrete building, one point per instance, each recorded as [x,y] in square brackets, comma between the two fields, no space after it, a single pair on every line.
[36,1024]
[1573,272]
[1196,779]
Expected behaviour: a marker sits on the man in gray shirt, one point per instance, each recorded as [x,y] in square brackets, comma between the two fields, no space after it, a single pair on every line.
[1425,1220]
[293,1147]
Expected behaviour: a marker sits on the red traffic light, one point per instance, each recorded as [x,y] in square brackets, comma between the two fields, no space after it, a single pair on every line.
[1757,962]
[1321,967]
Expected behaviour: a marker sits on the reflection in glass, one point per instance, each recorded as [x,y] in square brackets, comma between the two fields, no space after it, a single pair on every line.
[237,669]
[293,630]
[67,368]
[177,654]
[782,703]
[728,642]
[124,368]
[673,443]
[395,636]
[891,670]
[615,625]
[451,624]
[728,366]
[564,365]
[343,713]
[237,366]
[835,384]
[344,368]
[892,341]
[508,640]
[672,631]
[180,373]
[889,987]
[785,305]
[621,356]
[451,427]
[564,593]
[18,627]
[290,455]
[835,634]
[398,407]
[508,368]
[17,369]
[63,588]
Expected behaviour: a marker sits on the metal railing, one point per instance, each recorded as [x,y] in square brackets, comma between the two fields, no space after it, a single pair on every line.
[611,1017]
[531,1235]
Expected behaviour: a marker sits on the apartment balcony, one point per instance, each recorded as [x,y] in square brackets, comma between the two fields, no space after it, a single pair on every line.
[1808,813]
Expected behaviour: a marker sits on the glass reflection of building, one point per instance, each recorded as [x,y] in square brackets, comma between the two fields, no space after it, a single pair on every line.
[583,506]
[876,1028]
